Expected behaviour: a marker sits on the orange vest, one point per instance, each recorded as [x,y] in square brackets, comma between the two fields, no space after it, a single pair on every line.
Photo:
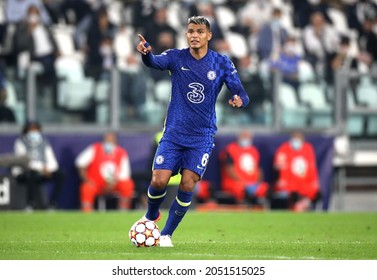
[246,164]
[104,164]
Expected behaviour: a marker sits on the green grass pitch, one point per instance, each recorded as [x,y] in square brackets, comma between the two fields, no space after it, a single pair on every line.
[201,236]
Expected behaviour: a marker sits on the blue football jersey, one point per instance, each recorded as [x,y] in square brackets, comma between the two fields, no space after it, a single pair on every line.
[191,116]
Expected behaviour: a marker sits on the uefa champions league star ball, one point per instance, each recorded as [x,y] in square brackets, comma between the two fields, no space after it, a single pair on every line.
[144,234]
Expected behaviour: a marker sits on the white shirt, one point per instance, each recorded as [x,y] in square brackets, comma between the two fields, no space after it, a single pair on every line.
[42,44]
[51,163]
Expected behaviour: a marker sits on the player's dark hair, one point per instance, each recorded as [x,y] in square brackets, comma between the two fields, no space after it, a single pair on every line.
[200,20]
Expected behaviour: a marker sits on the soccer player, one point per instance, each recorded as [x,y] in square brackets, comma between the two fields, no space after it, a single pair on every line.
[197,75]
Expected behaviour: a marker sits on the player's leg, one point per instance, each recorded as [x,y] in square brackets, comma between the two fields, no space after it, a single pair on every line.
[194,163]
[182,201]
[165,164]
[157,192]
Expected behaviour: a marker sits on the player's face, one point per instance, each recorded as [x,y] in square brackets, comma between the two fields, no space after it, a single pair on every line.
[198,36]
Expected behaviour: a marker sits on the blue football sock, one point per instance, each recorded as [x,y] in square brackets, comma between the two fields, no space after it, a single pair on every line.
[177,211]
[155,198]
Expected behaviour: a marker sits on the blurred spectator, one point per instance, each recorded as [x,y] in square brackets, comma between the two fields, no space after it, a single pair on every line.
[258,10]
[217,42]
[75,11]
[241,175]
[6,114]
[161,37]
[297,183]
[360,11]
[133,86]
[343,59]
[248,72]
[43,167]
[271,37]
[368,42]
[158,27]
[320,40]
[104,168]
[288,65]
[17,10]
[100,56]
[303,9]
[34,42]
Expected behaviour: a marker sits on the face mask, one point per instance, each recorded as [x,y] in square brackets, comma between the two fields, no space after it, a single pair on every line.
[106,50]
[244,143]
[109,147]
[296,143]
[35,137]
[314,2]
[290,48]
[33,18]
[276,22]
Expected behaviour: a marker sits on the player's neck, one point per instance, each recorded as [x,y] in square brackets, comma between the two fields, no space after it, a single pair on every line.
[199,53]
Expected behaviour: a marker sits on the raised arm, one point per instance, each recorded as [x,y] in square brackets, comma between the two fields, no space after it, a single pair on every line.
[160,62]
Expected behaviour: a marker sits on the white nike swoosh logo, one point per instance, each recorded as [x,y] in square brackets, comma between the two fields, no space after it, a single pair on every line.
[185,69]
[199,167]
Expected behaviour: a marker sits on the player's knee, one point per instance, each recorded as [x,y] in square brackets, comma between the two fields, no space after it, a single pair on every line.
[187,185]
[159,182]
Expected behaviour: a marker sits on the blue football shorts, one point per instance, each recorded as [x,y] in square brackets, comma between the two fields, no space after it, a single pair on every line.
[174,157]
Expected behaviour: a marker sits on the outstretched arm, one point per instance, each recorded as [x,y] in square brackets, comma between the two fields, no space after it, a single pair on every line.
[160,62]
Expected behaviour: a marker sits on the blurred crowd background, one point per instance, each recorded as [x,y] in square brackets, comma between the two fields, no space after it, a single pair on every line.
[305,64]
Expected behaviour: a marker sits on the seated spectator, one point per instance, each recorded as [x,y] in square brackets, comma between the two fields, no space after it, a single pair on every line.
[35,40]
[253,85]
[104,168]
[272,36]
[16,10]
[43,167]
[297,183]
[344,60]
[99,52]
[320,40]
[6,114]
[241,175]
[288,64]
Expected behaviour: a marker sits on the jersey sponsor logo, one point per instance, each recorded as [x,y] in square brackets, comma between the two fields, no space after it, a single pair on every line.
[196,95]
[184,69]
[160,159]
[211,75]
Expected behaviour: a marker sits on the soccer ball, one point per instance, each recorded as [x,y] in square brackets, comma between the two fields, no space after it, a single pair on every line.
[144,234]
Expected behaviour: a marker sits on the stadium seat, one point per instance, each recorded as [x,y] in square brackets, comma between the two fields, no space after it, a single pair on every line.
[367,92]
[314,95]
[321,111]
[293,115]
[339,20]
[237,43]
[305,71]
[162,91]
[69,68]
[75,95]
[226,17]
[63,35]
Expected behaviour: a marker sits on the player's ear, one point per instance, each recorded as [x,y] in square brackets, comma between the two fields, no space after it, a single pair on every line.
[209,36]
